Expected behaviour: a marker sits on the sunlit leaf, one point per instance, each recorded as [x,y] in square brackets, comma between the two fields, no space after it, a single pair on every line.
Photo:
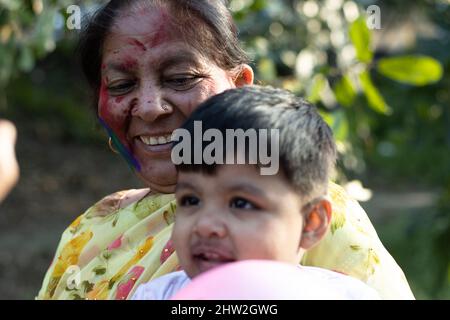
[267,70]
[338,122]
[10,4]
[361,36]
[316,88]
[415,70]
[344,91]
[258,5]
[375,99]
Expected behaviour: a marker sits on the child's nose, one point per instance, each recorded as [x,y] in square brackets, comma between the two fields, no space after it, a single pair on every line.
[210,225]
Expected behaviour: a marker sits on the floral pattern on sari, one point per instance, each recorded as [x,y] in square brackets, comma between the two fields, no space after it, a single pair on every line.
[113,249]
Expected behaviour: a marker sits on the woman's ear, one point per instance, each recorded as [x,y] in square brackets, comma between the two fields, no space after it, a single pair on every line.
[245,76]
[315,224]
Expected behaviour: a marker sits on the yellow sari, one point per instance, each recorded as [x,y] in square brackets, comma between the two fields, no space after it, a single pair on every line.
[108,251]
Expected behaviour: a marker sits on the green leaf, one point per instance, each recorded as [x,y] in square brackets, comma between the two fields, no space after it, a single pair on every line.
[267,70]
[111,284]
[337,221]
[100,270]
[338,123]
[258,5]
[316,88]
[26,59]
[116,218]
[106,255]
[415,70]
[375,99]
[361,38]
[345,92]
[10,4]
[87,286]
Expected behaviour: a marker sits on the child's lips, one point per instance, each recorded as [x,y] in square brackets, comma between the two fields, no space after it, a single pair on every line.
[205,265]
[206,257]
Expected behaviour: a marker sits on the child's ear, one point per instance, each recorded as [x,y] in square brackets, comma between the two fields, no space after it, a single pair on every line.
[245,76]
[315,223]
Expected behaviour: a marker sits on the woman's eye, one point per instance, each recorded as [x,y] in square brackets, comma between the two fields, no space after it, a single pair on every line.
[182,83]
[120,88]
[241,203]
[188,201]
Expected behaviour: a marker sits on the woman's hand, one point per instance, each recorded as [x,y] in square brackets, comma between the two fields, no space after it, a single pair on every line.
[9,168]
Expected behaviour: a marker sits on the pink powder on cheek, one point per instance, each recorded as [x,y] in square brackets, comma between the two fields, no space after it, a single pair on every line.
[103,100]
[119,99]
[113,114]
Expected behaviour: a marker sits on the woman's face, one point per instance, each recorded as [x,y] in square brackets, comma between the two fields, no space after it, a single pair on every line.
[151,82]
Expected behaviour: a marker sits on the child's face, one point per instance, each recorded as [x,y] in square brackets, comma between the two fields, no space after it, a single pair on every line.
[235,214]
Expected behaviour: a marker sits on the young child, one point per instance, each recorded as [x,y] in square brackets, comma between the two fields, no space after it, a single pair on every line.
[231,212]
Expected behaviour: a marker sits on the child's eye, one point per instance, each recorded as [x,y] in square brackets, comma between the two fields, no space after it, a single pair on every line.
[186,201]
[241,203]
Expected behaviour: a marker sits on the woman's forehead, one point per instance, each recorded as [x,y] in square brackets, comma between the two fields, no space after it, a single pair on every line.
[152,27]
[163,56]
[149,31]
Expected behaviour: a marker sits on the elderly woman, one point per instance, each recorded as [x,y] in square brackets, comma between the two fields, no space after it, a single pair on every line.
[151,63]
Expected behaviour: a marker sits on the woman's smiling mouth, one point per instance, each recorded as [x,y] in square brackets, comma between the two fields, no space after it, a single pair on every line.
[156,140]
[155,143]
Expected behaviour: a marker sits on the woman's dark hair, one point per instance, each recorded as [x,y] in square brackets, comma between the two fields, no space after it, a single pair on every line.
[207,25]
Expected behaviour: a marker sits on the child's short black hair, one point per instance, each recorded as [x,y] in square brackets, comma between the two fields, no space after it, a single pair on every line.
[306,146]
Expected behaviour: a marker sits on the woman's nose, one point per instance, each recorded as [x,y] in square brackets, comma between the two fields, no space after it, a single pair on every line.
[210,225]
[149,104]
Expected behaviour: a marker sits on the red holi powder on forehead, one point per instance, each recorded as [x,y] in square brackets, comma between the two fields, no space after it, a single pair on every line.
[138,44]
[160,36]
[163,29]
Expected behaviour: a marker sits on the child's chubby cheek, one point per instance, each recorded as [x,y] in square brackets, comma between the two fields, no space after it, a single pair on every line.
[115,112]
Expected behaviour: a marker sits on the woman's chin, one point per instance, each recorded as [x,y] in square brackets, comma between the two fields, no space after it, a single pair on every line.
[163,183]
[163,188]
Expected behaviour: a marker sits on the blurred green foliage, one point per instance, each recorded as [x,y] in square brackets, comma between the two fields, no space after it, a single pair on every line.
[388,105]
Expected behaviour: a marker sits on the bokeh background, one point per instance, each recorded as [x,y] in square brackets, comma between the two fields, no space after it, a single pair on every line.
[385,92]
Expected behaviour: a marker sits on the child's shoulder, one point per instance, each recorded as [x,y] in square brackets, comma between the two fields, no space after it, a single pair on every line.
[162,288]
[345,286]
